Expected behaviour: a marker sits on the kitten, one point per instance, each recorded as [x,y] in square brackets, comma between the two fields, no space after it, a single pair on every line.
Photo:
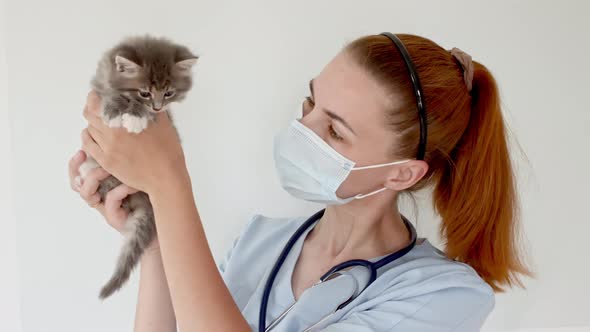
[136,79]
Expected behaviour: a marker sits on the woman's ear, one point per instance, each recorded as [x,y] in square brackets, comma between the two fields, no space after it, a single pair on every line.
[406,175]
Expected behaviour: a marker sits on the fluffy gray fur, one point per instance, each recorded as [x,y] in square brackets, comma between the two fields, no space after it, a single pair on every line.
[137,78]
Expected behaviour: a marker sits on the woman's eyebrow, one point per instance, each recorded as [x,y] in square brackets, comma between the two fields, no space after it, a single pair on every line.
[336,117]
[331,114]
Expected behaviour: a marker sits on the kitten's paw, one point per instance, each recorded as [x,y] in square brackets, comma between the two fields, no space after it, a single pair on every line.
[88,165]
[115,122]
[78,181]
[134,124]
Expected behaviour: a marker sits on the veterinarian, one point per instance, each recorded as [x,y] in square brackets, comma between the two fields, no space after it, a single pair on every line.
[390,114]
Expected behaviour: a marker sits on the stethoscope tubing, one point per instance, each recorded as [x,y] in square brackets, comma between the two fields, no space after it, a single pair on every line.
[372,267]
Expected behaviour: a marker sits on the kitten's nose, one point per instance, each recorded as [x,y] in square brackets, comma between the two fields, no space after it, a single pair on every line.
[156,109]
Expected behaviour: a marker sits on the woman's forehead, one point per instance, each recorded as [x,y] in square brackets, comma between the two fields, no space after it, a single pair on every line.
[348,90]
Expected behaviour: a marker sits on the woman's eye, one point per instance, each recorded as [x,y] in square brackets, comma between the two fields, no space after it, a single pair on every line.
[334,134]
[144,94]
[169,94]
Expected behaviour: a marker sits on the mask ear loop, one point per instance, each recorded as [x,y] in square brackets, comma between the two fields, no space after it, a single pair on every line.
[359,196]
[380,165]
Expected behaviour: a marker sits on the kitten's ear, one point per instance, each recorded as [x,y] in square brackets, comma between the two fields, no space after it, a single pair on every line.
[186,65]
[126,66]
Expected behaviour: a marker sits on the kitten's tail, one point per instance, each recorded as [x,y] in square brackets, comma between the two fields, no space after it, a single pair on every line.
[139,234]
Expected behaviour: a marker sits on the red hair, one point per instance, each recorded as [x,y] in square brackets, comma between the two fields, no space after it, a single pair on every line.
[470,168]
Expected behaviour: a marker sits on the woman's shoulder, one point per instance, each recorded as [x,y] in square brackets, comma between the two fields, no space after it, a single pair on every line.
[262,237]
[426,282]
[427,271]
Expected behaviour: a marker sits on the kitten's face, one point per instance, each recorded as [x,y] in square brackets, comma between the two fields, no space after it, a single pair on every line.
[156,84]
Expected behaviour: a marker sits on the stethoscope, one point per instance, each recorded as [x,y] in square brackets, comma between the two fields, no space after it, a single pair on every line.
[334,271]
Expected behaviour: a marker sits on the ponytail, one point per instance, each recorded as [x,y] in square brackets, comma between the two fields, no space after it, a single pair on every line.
[467,153]
[476,195]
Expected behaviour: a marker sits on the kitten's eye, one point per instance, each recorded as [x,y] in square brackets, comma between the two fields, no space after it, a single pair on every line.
[169,94]
[144,94]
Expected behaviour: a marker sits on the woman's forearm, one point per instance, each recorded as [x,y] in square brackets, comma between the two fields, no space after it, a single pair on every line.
[154,312]
[200,297]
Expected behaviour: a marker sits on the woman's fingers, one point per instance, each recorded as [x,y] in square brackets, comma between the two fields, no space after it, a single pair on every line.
[93,120]
[90,147]
[96,135]
[93,200]
[112,206]
[116,196]
[91,183]
[93,102]
[100,208]
[92,111]
[73,167]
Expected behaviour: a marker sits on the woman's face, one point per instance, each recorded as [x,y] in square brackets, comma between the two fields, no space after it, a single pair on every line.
[347,109]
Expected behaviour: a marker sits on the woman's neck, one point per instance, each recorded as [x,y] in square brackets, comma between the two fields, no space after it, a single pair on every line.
[360,229]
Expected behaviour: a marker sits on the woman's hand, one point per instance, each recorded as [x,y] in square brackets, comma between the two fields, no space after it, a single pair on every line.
[111,208]
[143,161]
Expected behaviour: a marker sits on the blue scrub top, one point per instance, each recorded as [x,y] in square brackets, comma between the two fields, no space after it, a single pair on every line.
[422,291]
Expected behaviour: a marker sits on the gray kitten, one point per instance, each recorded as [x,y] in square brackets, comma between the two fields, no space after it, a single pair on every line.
[136,79]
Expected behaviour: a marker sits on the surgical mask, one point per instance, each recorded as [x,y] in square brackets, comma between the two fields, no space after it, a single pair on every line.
[310,169]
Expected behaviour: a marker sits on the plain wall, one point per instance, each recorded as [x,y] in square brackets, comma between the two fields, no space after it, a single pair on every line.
[10,315]
[256,60]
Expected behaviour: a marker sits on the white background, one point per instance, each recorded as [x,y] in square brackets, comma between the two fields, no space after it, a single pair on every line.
[256,60]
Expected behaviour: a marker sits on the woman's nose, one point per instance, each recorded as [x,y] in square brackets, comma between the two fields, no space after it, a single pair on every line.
[314,124]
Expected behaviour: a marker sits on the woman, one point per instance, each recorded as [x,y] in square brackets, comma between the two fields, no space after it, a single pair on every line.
[389,114]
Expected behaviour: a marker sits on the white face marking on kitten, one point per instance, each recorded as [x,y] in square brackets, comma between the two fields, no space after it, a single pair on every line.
[134,124]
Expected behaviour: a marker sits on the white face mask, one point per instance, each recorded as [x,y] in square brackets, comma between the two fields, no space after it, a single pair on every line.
[310,169]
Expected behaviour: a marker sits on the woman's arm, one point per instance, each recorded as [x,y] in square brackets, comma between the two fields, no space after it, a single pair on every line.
[154,312]
[201,299]
[154,309]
